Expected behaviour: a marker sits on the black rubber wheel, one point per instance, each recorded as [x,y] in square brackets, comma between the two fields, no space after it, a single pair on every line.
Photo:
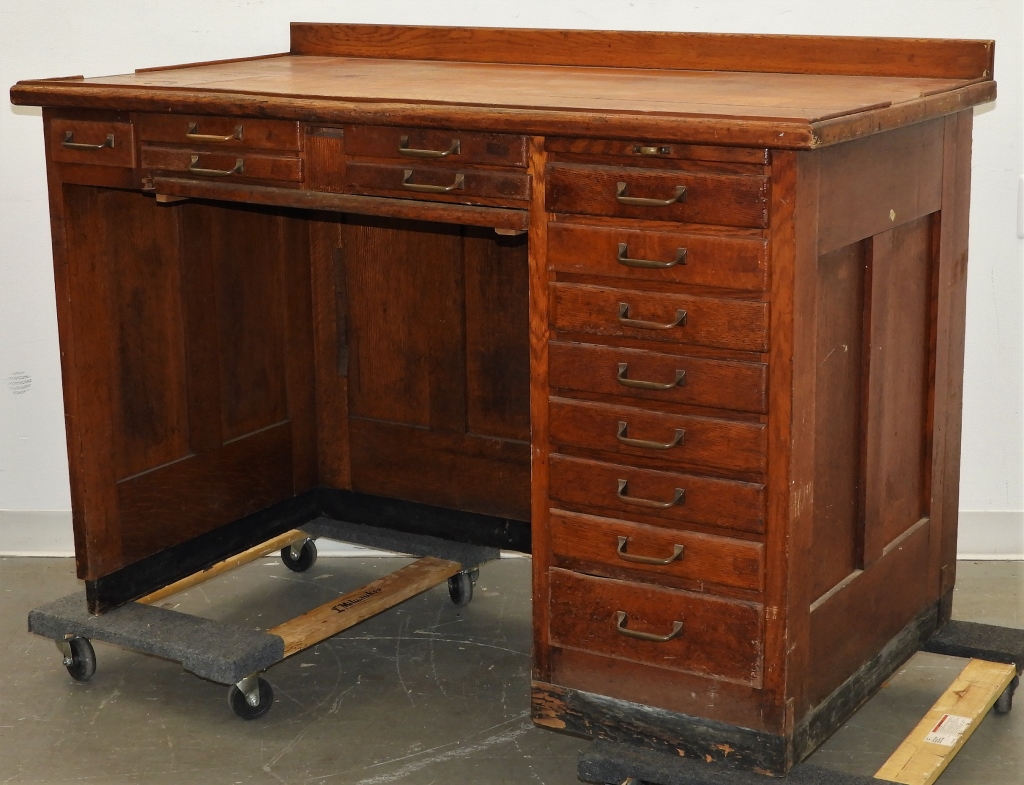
[83,659]
[307,557]
[460,588]
[240,706]
[1005,701]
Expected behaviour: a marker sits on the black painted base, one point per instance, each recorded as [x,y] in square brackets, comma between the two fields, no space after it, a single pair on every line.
[172,564]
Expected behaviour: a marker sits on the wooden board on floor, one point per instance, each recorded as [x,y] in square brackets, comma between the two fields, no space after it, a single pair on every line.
[919,760]
[356,606]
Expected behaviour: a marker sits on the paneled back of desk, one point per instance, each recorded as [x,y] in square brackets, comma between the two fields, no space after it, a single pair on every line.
[688,307]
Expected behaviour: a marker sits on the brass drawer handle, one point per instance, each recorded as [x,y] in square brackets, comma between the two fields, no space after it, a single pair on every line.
[460,182]
[639,201]
[620,625]
[649,149]
[412,152]
[70,143]
[677,554]
[195,136]
[195,168]
[640,384]
[679,498]
[679,321]
[620,434]
[623,258]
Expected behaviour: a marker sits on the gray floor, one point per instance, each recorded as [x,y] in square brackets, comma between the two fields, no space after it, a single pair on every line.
[427,693]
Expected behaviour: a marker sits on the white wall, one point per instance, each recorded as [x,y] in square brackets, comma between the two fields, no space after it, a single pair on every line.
[47,38]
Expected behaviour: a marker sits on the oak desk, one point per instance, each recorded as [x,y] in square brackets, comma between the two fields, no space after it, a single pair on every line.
[691,306]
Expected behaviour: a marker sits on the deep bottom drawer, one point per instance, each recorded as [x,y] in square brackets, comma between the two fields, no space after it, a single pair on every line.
[669,629]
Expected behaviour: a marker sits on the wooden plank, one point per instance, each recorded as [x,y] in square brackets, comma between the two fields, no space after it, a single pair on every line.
[847,55]
[256,552]
[920,761]
[358,605]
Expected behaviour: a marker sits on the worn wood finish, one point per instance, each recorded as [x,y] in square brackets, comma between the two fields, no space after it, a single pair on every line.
[253,166]
[639,150]
[115,142]
[227,132]
[461,148]
[471,186]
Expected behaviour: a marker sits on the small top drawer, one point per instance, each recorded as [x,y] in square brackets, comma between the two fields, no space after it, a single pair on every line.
[98,143]
[426,144]
[229,132]
[658,194]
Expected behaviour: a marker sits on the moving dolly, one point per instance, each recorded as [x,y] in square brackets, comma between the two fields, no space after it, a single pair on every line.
[987,682]
[236,656]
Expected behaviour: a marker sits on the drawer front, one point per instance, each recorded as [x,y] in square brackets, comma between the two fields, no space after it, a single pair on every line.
[726,200]
[673,438]
[676,499]
[443,183]
[643,375]
[641,552]
[698,634]
[424,145]
[645,150]
[92,142]
[228,132]
[677,257]
[670,318]
[222,166]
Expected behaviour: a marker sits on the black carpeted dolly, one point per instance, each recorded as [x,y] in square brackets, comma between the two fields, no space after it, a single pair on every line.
[608,763]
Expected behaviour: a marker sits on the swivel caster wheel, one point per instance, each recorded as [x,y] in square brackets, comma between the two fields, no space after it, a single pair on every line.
[1005,701]
[460,586]
[79,657]
[251,698]
[299,557]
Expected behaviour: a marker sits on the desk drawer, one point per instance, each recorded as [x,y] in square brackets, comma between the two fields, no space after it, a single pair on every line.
[617,548]
[653,316]
[671,438]
[698,634]
[669,195]
[441,183]
[98,143]
[424,145]
[676,499]
[222,166]
[677,257]
[227,132]
[638,374]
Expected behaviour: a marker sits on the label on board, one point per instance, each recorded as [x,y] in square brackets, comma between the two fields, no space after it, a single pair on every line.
[948,730]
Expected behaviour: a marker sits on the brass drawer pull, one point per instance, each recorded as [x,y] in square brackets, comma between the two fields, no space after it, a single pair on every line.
[640,384]
[620,434]
[460,182]
[639,201]
[623,258]
[70,143]
[620,625]
[677,554]
[195,168]
[649,149]
[680,320]
[195,136]
[412,152]
[679,498]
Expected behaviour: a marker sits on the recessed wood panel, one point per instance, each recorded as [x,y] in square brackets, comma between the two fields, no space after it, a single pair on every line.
[837,437]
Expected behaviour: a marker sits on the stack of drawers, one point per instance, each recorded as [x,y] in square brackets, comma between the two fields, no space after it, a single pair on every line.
[657,409]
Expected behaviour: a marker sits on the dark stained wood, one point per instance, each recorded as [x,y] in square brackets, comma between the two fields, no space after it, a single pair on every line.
[254,134]
[479,186]
[637,149]
[325,159]
[119,152]
[698,51]
[704,442]
[348,203]
[386,142]
[593,485]
[714,383]
[732,200]
[254,166]
[710,261]
[731,324]
[497,325]
[589,544]
[719,638]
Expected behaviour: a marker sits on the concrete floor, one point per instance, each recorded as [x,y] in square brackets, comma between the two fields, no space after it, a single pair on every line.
[428,693]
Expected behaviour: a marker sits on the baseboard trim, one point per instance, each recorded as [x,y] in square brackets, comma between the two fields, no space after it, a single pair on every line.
[990,535]
[36,533]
